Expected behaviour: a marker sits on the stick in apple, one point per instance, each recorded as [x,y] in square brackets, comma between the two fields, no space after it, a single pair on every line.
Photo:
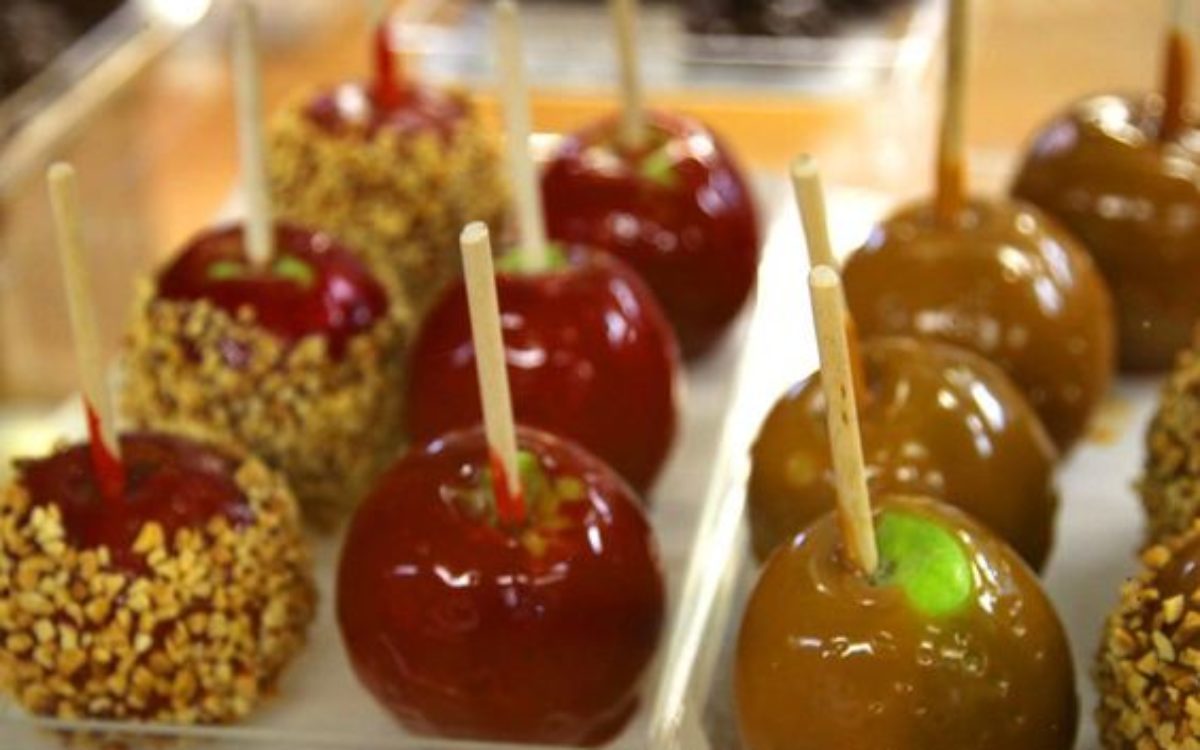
[810,201]
[248,82]
[490,364]
[98,401]
[853,502]
[515,96]
[951,160]
[1177,69]
[385,87]
[633,113]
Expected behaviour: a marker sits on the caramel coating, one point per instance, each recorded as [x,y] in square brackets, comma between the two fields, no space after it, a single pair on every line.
[1170,481]
[1003,282]
[329,424]
[828,659]
[399,200]
[1101,170]
[200,637]
[1148,665]
[937,420]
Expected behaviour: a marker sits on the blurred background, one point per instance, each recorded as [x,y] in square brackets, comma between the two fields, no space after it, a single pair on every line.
[137,93]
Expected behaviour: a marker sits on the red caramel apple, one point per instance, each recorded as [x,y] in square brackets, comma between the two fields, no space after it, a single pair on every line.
[950,644]
[590,357]
[1001,280]
[1107,171]
[297,360]
[936,421]
[183,548]
[393,167]
[529,619]
[676,208]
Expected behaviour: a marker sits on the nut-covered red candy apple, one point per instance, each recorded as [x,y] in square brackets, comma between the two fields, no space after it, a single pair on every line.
[663,193]
[149,576]
[392,166]
[905,625]
[675,207]
[297,358]
[504,585]
[992,276]
[1120,172]
[589,357]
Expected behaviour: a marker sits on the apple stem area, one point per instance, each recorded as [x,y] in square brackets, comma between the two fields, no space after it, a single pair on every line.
[385,88]
[1176,82]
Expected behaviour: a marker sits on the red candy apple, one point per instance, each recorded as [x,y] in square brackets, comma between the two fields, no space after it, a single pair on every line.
[172,481]
[589,355]
[676,208]
[312,285]
[529,627]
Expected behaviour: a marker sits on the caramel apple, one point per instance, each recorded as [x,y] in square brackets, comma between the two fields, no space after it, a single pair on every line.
[992,276]
[298,360]
[1147,661]
[950,644]
[391,166]
[106,580]
[1120,172]
[936,421]
[1170,481]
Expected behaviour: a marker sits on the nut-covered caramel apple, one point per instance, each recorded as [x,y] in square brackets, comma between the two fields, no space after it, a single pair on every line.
[110,571]
[1148,659]
[469,619]
[298,360]
[1170,481]
[950,644]
[937,421]
[391,166]
[1120,172]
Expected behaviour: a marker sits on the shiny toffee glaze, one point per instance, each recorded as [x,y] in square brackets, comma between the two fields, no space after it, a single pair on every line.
[175,482]
[1133,200]
[677,209]
[828,659]
[465,629]
[312,286]
[1003,282]
[936,420]
[589,356]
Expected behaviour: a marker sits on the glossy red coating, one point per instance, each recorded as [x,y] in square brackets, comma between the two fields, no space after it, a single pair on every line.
[677,209]
[173,481]
[337,299]
[409,109]
[110,472]
[590,357]
[463,629]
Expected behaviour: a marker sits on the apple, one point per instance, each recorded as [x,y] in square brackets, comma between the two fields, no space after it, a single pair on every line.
[466,623]
[676,208]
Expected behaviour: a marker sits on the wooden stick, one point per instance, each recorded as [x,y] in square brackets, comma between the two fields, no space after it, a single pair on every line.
[515,97]
[951,164]
[491,367]
[810,202]
[64,200]
[854,505]
[1177,69]
[248,80]
[633,109]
